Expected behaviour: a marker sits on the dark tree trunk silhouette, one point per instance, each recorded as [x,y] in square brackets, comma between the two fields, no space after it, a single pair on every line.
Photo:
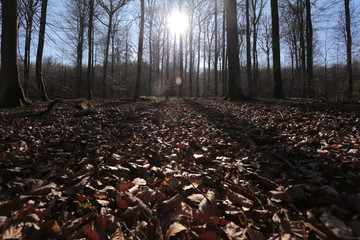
[309,47]
[90,53]
[234,85]
[278,91]
[11,92]
[140,52]
[216,49]
[248,50]
[348,48]
[40,50]
[30,9]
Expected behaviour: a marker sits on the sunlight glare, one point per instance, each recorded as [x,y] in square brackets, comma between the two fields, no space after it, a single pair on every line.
[177,22]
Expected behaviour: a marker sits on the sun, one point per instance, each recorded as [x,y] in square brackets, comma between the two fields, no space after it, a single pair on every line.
[177,22]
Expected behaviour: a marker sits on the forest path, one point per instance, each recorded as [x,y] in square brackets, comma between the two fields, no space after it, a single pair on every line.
[181,168]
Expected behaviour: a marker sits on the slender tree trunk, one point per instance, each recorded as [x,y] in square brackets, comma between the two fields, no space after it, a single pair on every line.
[278,91]
[216,49]
[348,49]
[248,51]
[309,46]
[191,53]
[106,57]
[90,54]
[39,55]
[198,63]
[140,52]
[181,53]
[80,56]
[167,73]
[11,92]
[29,25]
[224,56]
[234,84]
[151,55]
[300,15]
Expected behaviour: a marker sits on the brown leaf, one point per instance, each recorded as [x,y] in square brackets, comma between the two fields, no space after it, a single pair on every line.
[239,199]
[209,236]
[175,229]
[90,233]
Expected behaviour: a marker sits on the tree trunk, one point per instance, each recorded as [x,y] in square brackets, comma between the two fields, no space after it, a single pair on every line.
[11,92]
[29,25]
[224,55]
[198,62]
[216,49]
[39,55]
[90,54]
[248,51]
[79,58]
[309,47]
[140,52]
[106,57]
[150,51]
[278,91]
[348,49]
[234,84]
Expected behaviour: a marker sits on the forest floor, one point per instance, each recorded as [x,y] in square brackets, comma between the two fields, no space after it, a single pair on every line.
[181,169]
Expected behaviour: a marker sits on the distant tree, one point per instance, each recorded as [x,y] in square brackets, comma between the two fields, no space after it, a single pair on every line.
[234,87]
[11,92]
[278,91]
[28,9]
[39,55]
[110,7]
[76,18]
[140,52]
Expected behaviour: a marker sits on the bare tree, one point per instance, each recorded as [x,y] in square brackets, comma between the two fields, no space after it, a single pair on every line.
[40,50]
[309,48]
[11,92]
[348,48]
[248,50]
[216,48]
[140,51]
[28,9]
[278,91]
[234,87]
[91,49]
[110,7]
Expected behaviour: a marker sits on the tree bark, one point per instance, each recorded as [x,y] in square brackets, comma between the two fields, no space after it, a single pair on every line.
[309,47]
[248,50]
[278,91]
[140,52]
[90,53]
[348,48]
[11,92]
[216,49]
[40,50]
[234,85]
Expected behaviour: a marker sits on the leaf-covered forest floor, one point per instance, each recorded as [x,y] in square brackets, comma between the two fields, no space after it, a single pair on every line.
[181,169]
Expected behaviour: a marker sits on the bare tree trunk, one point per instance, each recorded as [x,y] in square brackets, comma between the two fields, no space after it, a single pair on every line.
[198,62]
[30,11]
[248,51]
[216,49]
[90,54]
[140,52]
[11,92]
[278,91]
[39,55]
[224,55]
[348,49]
[309,47]
[150,51]
[234,85]
[79,57]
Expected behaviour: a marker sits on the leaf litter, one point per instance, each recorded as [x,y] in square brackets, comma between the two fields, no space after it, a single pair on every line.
[181,169]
